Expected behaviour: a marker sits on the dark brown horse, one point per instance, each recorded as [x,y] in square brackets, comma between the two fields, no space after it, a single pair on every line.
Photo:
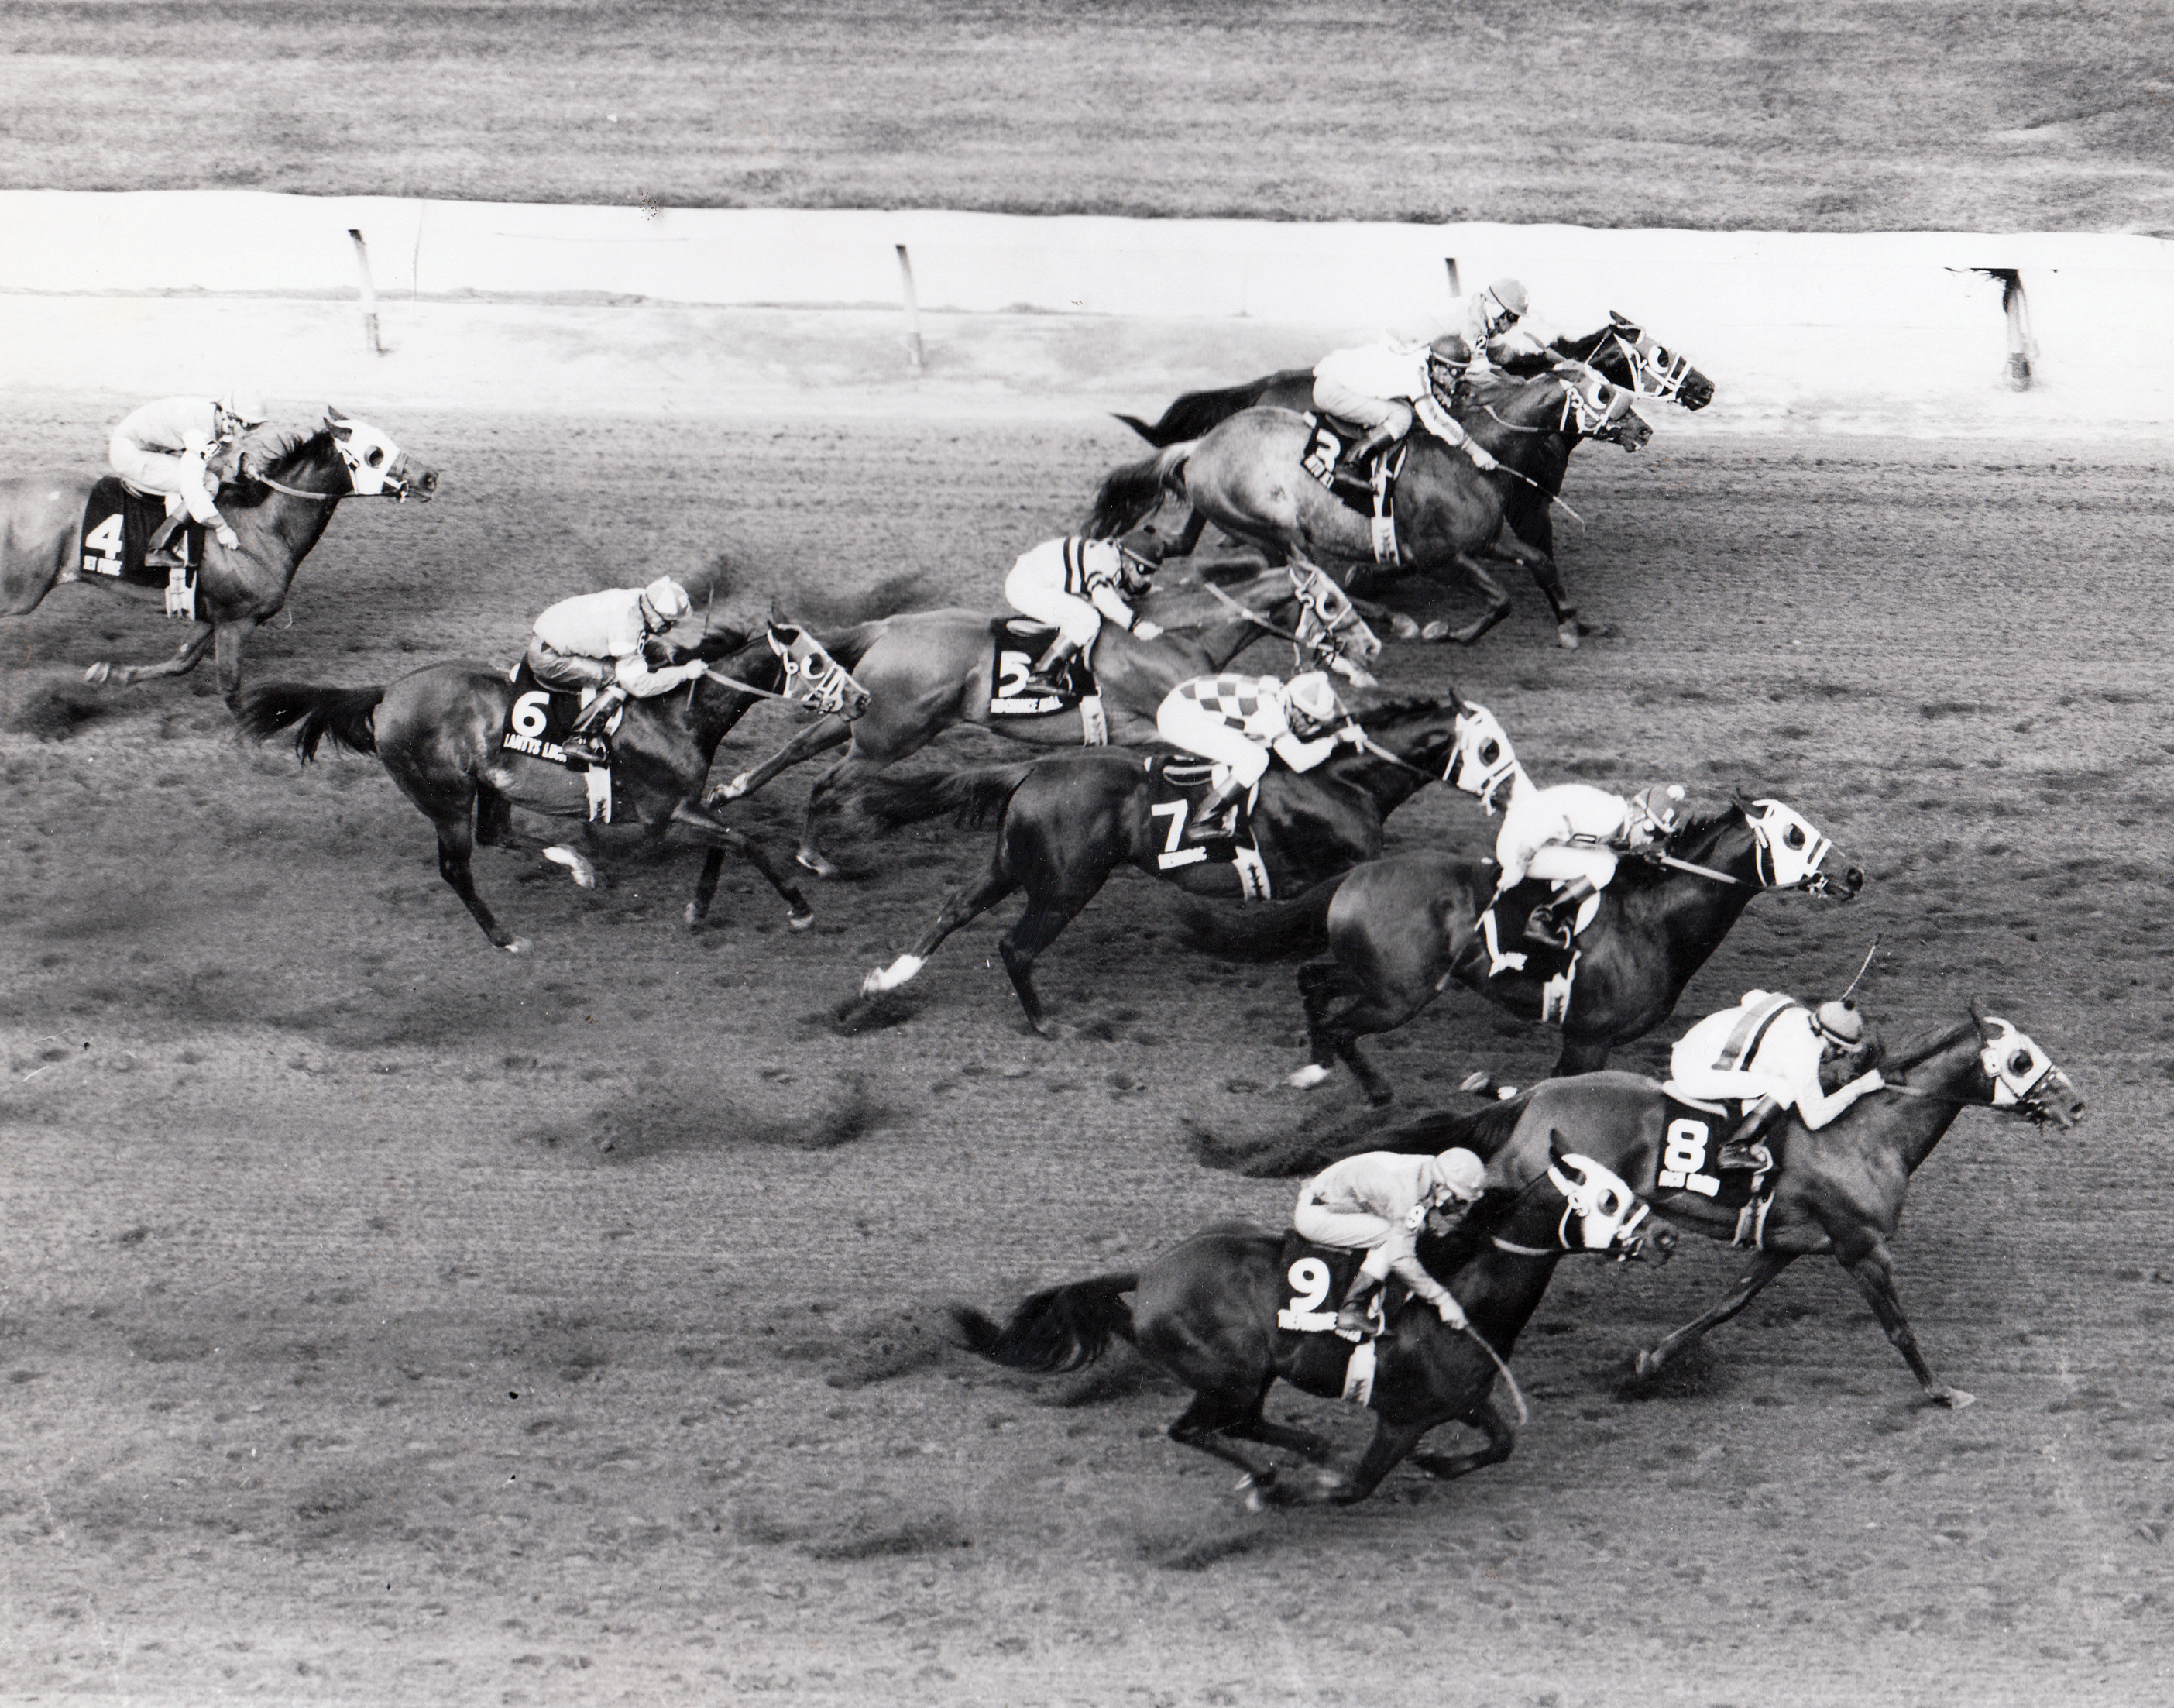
[1065,823]
[1205,1312]
[438,730]
[280,501]
[1399,930]
[929,671]
[1246,475]
[1839,1190]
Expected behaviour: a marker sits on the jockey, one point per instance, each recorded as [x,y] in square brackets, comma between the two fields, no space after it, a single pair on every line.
[1778,1054]
[1072,584]
[603,641]
[1236,719]
[1376,385]
[1572,835]
[1378,1201]
[1498,323]
[166,447]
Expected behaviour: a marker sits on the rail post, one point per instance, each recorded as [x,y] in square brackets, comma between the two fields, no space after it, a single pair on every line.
[912,309]
[368,294]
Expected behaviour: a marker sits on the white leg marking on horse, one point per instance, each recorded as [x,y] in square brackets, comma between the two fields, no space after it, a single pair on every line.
[1307,1077]
[891,977]
[98,674]
[733,790]
[577,866]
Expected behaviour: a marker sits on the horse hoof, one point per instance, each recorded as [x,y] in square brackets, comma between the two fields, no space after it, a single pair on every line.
[1645,1364]
[518,945]
[1954,1399]
[1566,637]
[98,674]
[578,868]
[693,915]
[733,790]
[1435,631]
[814,862]
[1404,628]
[801,921]
[1306,1078]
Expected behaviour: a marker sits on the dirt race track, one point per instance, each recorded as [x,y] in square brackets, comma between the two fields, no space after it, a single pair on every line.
[389,1318]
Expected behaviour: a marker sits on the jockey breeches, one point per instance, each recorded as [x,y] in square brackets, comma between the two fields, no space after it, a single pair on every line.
[1029,589]
[570,670]
[1183,723]
[1719,1084]
[1332,396]
[1566,864]
[164,471]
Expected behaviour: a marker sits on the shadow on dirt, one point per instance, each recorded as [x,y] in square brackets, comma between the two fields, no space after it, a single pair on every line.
[1318,1140]
[53,704]
[667,1122]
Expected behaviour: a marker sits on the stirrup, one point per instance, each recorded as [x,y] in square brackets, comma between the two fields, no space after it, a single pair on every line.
[1222,827]
[1754,1157]
[1354,1317]
[587,746]
[1543,926]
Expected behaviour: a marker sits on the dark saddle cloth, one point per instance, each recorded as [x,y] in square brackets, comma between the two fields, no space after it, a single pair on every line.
[117,525]
[540,719]
[1691,1140]
[1543,961]
[1311,1282]
[1178,785]
[1370,491]
[1019,641]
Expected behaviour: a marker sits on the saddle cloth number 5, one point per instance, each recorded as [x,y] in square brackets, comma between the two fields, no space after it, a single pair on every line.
[1682,1158]
[1309,1280]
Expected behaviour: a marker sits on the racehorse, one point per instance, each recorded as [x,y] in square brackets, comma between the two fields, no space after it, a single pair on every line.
[1622,351]
[1838,1190]
[1399,930]
[1066,822]
[1206,1311]
[1246,475]
[439,732]
[278,501]
[926,671]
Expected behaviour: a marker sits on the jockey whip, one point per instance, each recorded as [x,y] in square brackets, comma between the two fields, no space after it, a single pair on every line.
[1251,616]
[1524,1417]
[1862,971]
[1687,865]
[708,608]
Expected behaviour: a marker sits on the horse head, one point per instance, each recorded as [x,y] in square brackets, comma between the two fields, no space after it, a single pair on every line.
[812,676]
[1595,407]
[376,466]
[1791,853]
[1651,370]
[1481,760]
[1600,1212]
[2022,1077]
[1330,631]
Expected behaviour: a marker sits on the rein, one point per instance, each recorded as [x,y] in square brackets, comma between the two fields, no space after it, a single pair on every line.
[1252,616]
[725,681]
[1688,865]
[1367,744]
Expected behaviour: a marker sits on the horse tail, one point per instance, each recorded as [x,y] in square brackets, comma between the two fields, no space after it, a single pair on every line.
[1129,493]
[344,714]
[1058,1329]
[1196,411]
[1483,1131]
[1281,928]
[971,797]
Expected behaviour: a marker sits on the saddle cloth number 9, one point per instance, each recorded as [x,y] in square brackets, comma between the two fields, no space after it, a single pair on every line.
[1309,1290]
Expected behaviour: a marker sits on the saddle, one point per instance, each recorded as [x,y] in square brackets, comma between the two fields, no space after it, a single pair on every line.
[1373,495]
[1177,787]
[1693,1135]
[538,724]
[118,521]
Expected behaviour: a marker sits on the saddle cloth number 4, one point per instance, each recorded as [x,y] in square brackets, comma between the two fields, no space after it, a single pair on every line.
[102,548]
[1309,1280]
[1682,1158]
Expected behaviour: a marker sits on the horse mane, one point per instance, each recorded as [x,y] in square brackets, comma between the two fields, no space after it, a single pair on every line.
[1404,709]
[1445,1254]
[719,643]
[1923,1046]
[280,453]
[1690,834]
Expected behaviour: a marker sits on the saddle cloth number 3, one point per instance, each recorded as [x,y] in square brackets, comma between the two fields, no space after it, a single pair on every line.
[1309,1280]
[1682,1158]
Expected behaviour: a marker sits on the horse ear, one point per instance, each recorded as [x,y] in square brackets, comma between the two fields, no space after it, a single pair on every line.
[1743,803]
[1558,1156]
[335,418]
[1977,1018]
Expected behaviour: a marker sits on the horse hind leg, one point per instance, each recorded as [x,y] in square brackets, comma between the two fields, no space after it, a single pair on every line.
[456,844]
[186,656]
[1217,1413]
[1501,1442]
[1039,927]
[1497,595]
[1764,1267]
[720,838]
[961,907]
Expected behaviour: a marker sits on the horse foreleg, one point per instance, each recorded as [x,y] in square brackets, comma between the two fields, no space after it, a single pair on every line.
[720,836]
[1764,1267]
[846,772]
[1547,576]
[825,732]
[1392,1446]
[226,658]
[1501,1442]
[1039,927]
[1874,1270]
[706,889]
[1211,1418]
[1498,604]
[961,907]
[1334,1037]
[186,658]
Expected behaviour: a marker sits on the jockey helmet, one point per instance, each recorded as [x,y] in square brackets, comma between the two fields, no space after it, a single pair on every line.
[1839,1022]
[1311,698]
[1658,807]
[1458,1171]
[245,405]
[666,602]
[1504,303]
[1448,358]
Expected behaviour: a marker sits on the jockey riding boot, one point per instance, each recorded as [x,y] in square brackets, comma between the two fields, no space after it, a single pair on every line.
[1217,820]
[158,553]
[1047,676]
[1352,465]
[584,739]
[1553,920]
[1741,1149]
[1351,1317]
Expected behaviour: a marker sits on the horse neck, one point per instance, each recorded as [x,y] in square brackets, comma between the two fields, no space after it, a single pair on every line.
[1522,435]
[1221,642]
[1390,785]
[1500,1290]
[299,523]
[1951,1074]
[717,708]
[1692,914]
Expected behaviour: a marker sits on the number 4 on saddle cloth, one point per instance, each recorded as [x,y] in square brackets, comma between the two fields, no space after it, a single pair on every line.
[537,726]
[117,525]
[1180,786]
[1018,642]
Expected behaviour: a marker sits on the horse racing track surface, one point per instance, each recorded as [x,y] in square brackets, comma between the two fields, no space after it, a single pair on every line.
[388,1317]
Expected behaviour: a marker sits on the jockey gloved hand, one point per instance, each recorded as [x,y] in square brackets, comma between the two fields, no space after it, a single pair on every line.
[1146,630]
[1351,732]
[226,537]
[1446,1308]
[1482,459]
